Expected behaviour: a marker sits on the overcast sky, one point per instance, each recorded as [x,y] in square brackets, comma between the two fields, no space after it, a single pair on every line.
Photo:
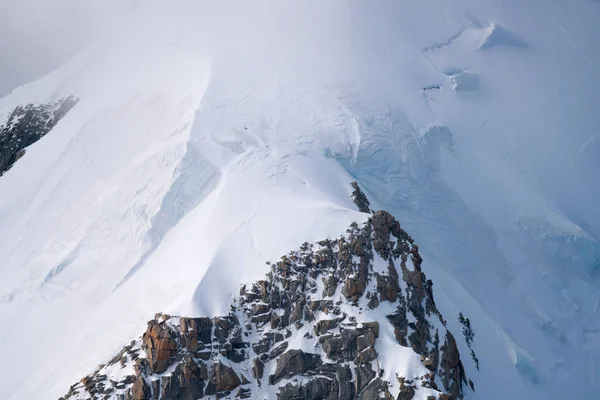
[37,36]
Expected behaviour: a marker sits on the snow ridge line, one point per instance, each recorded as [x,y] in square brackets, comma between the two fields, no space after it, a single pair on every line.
[338,319]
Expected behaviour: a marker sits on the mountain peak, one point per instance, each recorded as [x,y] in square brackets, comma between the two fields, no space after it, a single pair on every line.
[335,319]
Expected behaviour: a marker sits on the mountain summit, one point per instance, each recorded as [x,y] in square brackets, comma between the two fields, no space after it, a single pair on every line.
[332,320]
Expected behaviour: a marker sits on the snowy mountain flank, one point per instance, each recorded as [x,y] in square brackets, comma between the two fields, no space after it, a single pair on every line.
[161,174]
[314,323]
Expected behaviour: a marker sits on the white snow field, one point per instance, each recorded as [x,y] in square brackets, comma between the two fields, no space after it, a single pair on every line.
[210,138]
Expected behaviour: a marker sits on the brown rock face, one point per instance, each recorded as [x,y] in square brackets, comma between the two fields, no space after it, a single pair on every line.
[292,363]
[160,346]
[195,331]
[258,368]
[365,340]
[366,356]
[140,390]
[387,286]
[452,370]
[360,199]
[406,393]
[371,326]
[377,389]
[324,325]
[354,288]
[412,278]
[330,286]
[225,378]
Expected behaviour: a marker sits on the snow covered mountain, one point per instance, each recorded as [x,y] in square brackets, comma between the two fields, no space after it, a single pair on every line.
[314,322]
[201,140]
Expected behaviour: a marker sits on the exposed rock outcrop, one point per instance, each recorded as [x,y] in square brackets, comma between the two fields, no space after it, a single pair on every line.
[324,297]
[224,379]
[26,125]
[141,390]
[293,363]
[360,199]
[159,342]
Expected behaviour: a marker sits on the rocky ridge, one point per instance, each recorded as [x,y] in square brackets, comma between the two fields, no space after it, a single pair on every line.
[26,125]
[319,326]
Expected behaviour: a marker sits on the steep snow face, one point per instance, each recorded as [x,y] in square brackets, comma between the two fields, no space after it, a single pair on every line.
[353,317]
[213,136]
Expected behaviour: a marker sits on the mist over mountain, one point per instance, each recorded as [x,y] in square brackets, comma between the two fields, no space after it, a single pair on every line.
[161,156]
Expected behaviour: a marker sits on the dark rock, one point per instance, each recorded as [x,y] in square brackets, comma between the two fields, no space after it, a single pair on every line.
[360,199]
[373,302]
[331,284]
[244,380]
[275,321]
[349,343]
[160,346]
[186,382]
[277,351]
[278,337]
[376,389]
[261,319]
[155,386]
[322,326]
[387,285]
[369,327]
[354,288]
[244,393]
[419,337]
[291,391]
[222,328]
[141,390]
[364,375]
[412,278]
[318,388]
[28,124]
[262,346]
[332,346]
[260,309]
[326,306]
[235,355]
[366,356]
[196,332]
[342,376]
[314,305]
[340,348]
[400,324]
[452,372]
[224,378]
[365,340]
[292,363]
[407,392]
[333,382]
[297,312]
[258,368]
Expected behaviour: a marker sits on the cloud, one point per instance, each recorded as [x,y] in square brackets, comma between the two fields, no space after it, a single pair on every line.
[37,36]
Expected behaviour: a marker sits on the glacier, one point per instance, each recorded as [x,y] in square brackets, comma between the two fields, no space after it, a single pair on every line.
[209,138]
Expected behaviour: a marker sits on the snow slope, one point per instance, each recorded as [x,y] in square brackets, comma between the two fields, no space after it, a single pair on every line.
[211,138]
